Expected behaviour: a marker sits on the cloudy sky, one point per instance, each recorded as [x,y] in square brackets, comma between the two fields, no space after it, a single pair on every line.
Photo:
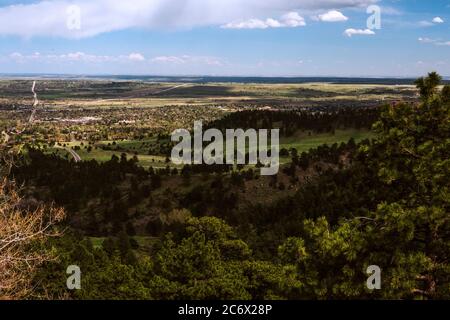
[226,37]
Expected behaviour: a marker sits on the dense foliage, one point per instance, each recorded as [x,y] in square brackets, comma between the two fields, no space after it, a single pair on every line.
[383,202]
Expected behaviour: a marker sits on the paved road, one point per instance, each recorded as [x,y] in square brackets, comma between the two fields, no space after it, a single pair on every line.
[13,131]
[35,103]
[172,88]
[75,155]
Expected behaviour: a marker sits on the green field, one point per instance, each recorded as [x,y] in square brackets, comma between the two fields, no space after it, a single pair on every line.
[302,141]
[106,155]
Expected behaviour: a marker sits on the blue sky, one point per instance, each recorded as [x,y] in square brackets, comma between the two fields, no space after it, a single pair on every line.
[225,37]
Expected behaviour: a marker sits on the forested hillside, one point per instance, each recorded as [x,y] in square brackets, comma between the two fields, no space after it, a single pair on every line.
[202,232]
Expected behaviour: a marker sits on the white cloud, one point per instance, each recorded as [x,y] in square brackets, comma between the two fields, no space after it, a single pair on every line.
[75,57]
[168,59]
[186,59]
[437,42]
[425,23]
[426,40]
[51,18]
[293,19]
[273,23]
[289,20]
[435,21]
[438,20]
[136,57]
[332,16]
[249,24]
[16,56]
[364,32]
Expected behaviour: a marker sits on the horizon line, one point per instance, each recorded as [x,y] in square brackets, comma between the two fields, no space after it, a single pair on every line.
[80,75]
